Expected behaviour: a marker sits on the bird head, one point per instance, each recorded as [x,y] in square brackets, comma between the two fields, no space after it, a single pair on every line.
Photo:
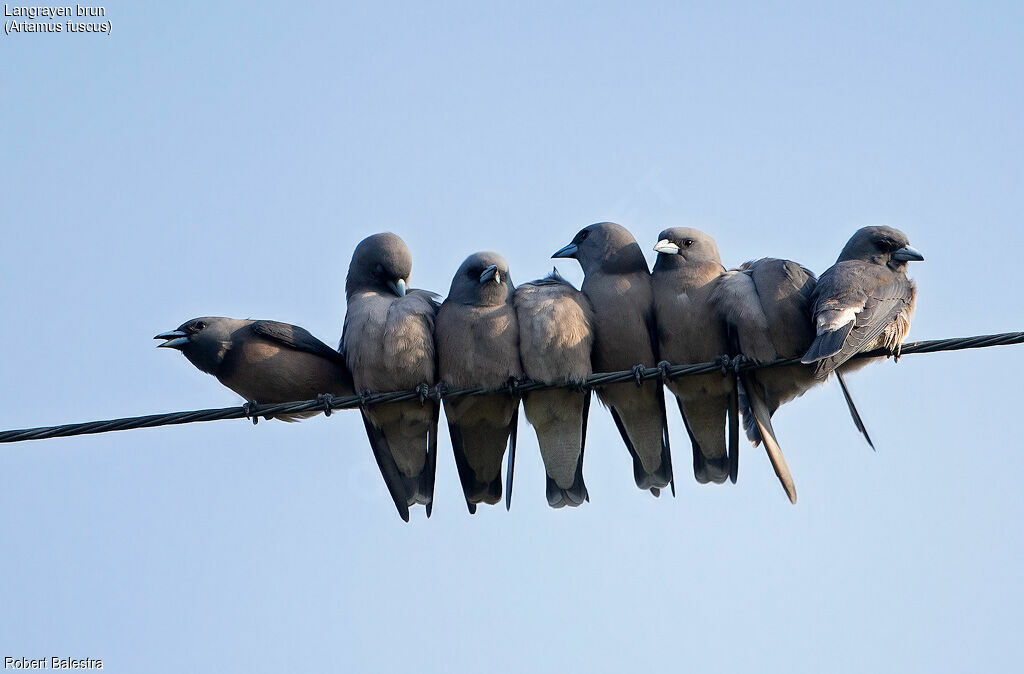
[606,247]
[204,341]
[482,280]
[380,262]
[880,245]
[684,246]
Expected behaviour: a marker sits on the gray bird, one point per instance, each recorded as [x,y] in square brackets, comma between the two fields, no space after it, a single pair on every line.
[864,301]
[617,282]
[690,330]
[388,342]
[478,345]
[262,361]
[555,340]
[766,305]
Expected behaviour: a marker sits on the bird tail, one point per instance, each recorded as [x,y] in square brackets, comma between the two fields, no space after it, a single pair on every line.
[827,344]
[574,496]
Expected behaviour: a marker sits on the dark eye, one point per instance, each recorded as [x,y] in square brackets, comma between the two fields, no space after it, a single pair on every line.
[583,235]
[199,326]
[687,243]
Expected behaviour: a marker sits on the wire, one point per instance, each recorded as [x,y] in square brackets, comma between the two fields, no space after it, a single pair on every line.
[328,403]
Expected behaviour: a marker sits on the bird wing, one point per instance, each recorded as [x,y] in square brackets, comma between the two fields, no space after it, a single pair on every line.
[854,303]
[294,337]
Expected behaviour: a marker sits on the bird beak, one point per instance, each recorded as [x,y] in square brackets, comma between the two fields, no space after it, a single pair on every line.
[667,247]
[398,287]
[491,273]
[175,339]
[567,251]
[907,254]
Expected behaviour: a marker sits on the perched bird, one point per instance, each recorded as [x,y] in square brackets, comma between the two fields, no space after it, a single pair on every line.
[864,301]
[262,361]
[478,345]
[766,305]
[690,330]
[388,342]
[617,282]
[555,339]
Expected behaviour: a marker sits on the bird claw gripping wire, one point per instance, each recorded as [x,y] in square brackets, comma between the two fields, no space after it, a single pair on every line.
[725,360]
[638,374]
[579,386]
[663,370]
[325,401]
[364,398]
[250,411]
[738,362]
[423,392]
[512,387]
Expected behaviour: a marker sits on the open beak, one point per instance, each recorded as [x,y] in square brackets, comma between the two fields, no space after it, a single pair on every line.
[175,339]
[907,254]
[567,251]
[398,287]
[667,247]
[491,273]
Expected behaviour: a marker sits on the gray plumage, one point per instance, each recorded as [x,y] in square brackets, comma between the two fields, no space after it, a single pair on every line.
[478,345]
[617,282]
[262,361]
[864,301]
[388,343]
[690,330]
[555,341]
[766,304]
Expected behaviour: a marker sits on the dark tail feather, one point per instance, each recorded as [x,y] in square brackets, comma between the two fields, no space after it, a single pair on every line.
[393,478]
[430,469]
[771,445]
[857,421]
[511,458]
[643,479]
[827,344]
[466,476]
[734,430]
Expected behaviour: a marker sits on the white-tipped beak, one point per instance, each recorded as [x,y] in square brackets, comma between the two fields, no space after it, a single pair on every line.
[667,247]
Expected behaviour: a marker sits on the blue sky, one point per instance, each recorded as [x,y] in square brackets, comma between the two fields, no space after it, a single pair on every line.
[226,160]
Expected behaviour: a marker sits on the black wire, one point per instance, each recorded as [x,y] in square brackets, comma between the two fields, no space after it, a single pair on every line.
[438,392]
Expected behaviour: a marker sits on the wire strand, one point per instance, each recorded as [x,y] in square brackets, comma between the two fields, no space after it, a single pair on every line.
[326,403]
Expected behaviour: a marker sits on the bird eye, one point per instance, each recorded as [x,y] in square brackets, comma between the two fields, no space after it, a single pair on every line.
[583,235]
[200,325]
[687,242]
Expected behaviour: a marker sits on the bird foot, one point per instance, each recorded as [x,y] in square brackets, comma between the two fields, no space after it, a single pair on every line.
[326,400]
[250,411]
[663,370]
[638,374]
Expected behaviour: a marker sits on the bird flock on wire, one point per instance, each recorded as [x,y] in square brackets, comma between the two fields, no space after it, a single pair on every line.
[488,332]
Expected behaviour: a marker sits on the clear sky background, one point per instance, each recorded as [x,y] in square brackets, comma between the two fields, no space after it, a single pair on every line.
[225,159]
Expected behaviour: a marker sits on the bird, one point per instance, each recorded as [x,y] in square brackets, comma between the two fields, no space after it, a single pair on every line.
[388,344]
[864,301]
[691,330]
[556,336]
[478,345]
[262,361]
[617,282]
[766,305]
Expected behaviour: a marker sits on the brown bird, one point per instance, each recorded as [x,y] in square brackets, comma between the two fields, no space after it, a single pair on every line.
[555,339]
[690,330]
[388,342]
[617,282]
[262,361]
[478,345]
